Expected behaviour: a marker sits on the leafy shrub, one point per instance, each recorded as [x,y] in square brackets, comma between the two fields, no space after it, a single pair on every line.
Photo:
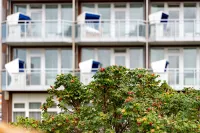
[119,100]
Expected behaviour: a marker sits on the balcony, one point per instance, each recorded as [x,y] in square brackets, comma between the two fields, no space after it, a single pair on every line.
[175,31]
[37,79]
[111,31]
[34,32]
[40,80]
[54,32]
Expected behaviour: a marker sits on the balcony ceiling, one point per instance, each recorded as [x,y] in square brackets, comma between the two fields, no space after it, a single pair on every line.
[41,1]
[67,1]
[174,0]
[111,0]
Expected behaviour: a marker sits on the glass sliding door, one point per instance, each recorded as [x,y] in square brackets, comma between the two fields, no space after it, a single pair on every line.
[36,25]
[120,57]
[66,60]
[136,58]
[174,72]
[120,28]
[20,8]
[51,28]
[66,16]
[104,56]
[189,19]
[190,75]
[105,11]
[156,7]
[51,65]
[173,25]
[136,26]
[86,7]
[35,75]
[87,54]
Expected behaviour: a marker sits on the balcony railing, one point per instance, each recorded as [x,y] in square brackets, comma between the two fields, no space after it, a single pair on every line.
[111,31]
[37,31]
[61,31]
[36,79]
[175,30]
[101,31]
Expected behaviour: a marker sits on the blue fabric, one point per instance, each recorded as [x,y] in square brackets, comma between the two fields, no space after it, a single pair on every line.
[164,17]
[21,66]
[167,63]
[95,65]
[89,16]
[24,17]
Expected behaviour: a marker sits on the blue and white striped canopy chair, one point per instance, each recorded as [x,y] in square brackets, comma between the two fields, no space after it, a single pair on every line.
[160,67]
[87,69]
[16,24]
[158,22]
[15,69]
[89,24]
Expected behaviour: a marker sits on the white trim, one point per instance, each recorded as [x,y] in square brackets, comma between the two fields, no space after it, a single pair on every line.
[28,98]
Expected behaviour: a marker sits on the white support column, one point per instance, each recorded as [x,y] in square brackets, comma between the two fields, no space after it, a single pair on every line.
[147,34]
[1,1]
[73,36]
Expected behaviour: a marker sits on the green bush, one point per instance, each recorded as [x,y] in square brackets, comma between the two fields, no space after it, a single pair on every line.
[118,100]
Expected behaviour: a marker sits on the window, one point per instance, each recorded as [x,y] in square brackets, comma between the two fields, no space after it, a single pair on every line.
[136,11]
[190,58]
[51,65]
[51,14]
[66,12]
[87,54]
[51,58]
[136,58]
[157,7]
[34,105]
[19,53]
[155,53]
[88,7]
[189,17]
[19,105]
[18,114]
[104,56]
[189,66]
[20,8]
[36,6]
[105,11]
[120,5]
[66,59]
[35,115]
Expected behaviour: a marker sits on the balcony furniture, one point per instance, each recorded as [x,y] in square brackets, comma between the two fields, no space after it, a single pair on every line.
[15,69]
[15,29]
[89,25]
[159,21]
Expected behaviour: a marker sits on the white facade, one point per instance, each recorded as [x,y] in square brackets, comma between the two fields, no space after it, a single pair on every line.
[28,105]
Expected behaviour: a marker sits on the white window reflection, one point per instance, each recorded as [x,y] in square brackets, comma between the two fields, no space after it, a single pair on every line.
[190,66]
[51,65]
[87,53]
[136,58]
[189,17]
[104,56]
